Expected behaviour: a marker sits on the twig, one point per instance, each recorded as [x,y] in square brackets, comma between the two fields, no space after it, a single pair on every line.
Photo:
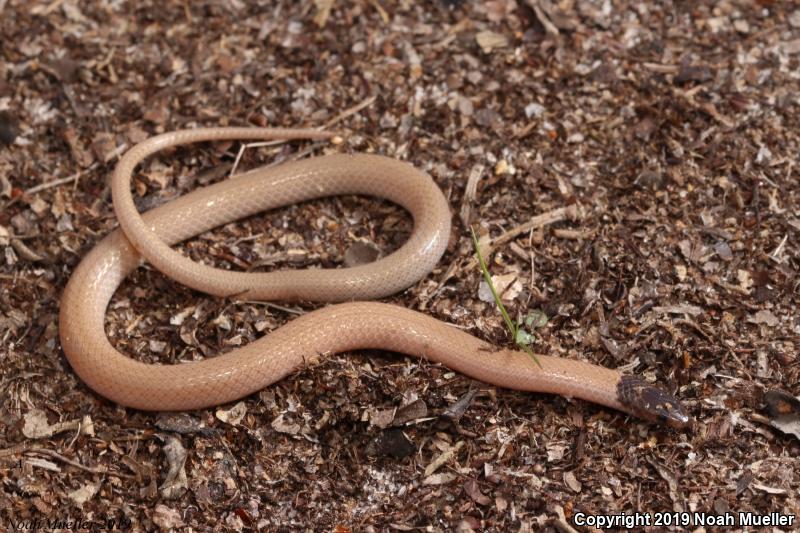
[543,17]
[333,136]
[556,215]
[661,68]
[382,12]
[56,455]
[574,234]
[236,161]
[350,112]
[290,310]
[707,107]
[18,449]
[777,252]
[470,192]
[24,251]
[55,183]
[25,237]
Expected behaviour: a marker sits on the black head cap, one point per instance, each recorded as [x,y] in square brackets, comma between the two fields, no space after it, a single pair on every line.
[651,403]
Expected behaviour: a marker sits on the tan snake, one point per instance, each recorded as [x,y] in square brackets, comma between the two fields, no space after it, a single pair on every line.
[336,328]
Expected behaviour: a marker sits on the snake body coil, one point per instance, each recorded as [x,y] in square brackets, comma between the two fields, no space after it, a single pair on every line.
[336,328]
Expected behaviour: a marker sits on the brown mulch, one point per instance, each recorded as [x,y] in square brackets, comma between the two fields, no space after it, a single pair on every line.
[669,130]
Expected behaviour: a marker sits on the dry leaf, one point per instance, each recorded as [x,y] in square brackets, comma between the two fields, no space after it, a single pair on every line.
[764,317]
[234,415]
[443,458]
[474,492]
[281,426]
[439,479]
[323,12]
[572,482]
[175,482]
[84,493]
[166,517]
[489,40]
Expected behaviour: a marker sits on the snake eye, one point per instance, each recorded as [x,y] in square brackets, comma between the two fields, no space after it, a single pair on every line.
[651,403]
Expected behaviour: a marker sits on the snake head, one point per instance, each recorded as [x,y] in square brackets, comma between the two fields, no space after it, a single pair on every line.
[651,403]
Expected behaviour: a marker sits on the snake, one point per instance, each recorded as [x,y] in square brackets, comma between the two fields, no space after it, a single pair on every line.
[349,321]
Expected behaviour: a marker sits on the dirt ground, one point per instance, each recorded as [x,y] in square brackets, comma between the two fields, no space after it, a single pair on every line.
[657,143]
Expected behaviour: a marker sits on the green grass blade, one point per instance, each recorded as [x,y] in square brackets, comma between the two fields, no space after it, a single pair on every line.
[512,327]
